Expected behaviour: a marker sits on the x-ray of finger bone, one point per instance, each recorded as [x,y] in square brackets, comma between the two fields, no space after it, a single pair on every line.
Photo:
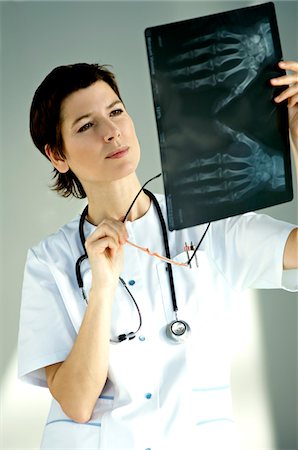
[223,140]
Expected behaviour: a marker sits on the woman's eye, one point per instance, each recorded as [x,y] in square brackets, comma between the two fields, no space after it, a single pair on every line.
[116,112]
[85,127]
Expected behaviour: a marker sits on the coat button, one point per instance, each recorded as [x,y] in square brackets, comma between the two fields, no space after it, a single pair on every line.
[148,395]
[142,338]
[131,282]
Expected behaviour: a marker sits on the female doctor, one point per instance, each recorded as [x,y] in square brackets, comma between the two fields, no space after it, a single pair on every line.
[133,348]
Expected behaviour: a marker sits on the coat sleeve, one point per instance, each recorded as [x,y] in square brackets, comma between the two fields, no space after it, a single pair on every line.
[249,249]
[46,334]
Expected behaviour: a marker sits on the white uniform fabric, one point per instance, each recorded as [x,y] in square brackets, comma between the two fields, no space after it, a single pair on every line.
[159,395]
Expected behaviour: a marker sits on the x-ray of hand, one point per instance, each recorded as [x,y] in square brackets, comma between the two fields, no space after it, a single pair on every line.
[227,177]
[211,59]
[223,140]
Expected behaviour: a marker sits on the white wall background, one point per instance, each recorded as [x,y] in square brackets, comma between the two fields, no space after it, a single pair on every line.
[37,36]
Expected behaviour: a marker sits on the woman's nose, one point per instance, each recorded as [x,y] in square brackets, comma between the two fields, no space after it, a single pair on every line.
[110,132]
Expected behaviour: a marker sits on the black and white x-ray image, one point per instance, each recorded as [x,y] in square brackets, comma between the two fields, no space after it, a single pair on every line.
[223,140]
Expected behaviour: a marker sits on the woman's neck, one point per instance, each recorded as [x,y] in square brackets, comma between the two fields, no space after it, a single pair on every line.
[112,200]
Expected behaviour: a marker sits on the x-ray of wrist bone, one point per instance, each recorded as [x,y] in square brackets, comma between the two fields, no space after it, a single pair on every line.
[223,140]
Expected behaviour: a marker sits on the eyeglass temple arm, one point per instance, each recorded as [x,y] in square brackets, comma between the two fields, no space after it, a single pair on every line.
[157,255]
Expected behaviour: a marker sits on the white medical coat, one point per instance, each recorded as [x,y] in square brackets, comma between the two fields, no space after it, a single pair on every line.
[158,395]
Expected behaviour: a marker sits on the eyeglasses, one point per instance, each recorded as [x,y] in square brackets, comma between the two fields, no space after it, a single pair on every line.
[157,255]
[167,258]
[187,247]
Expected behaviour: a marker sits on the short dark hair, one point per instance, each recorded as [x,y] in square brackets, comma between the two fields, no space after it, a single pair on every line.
[45,114]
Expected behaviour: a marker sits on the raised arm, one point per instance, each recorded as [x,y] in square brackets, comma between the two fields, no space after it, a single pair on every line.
[291,96]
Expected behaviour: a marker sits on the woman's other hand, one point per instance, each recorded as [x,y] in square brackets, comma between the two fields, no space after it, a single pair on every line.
[105,252]
[291,95]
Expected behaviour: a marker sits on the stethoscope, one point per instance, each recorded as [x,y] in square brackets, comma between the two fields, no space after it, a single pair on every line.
[178,330]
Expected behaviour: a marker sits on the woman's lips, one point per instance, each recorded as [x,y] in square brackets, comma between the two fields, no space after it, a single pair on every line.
[118,153]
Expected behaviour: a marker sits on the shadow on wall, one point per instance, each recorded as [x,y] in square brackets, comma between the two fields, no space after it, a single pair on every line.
[277,314]
[265,406]
[24,411]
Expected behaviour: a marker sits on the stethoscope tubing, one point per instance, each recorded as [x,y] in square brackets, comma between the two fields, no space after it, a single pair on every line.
[180,325]
[165,239]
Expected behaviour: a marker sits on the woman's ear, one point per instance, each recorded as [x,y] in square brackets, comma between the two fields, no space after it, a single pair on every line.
[58,162]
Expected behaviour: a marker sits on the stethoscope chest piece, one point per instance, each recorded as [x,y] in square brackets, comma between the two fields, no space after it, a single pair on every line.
[178,331]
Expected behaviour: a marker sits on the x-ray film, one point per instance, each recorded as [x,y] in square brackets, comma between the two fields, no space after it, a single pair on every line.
[224,142]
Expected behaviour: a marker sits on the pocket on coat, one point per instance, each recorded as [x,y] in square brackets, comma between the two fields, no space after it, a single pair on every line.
[68,435]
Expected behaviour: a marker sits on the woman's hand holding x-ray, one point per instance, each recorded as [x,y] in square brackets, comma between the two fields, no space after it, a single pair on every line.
[105,252]
[291,95]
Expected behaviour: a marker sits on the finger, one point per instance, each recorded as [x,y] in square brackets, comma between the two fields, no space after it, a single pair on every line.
[287,94]
[293,101]
[289,65]
[285,80]
[119,227]
[103,231]
[100,246]
[115,229]
[114,252]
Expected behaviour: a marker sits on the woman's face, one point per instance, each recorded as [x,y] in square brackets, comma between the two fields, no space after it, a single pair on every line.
[100,143]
